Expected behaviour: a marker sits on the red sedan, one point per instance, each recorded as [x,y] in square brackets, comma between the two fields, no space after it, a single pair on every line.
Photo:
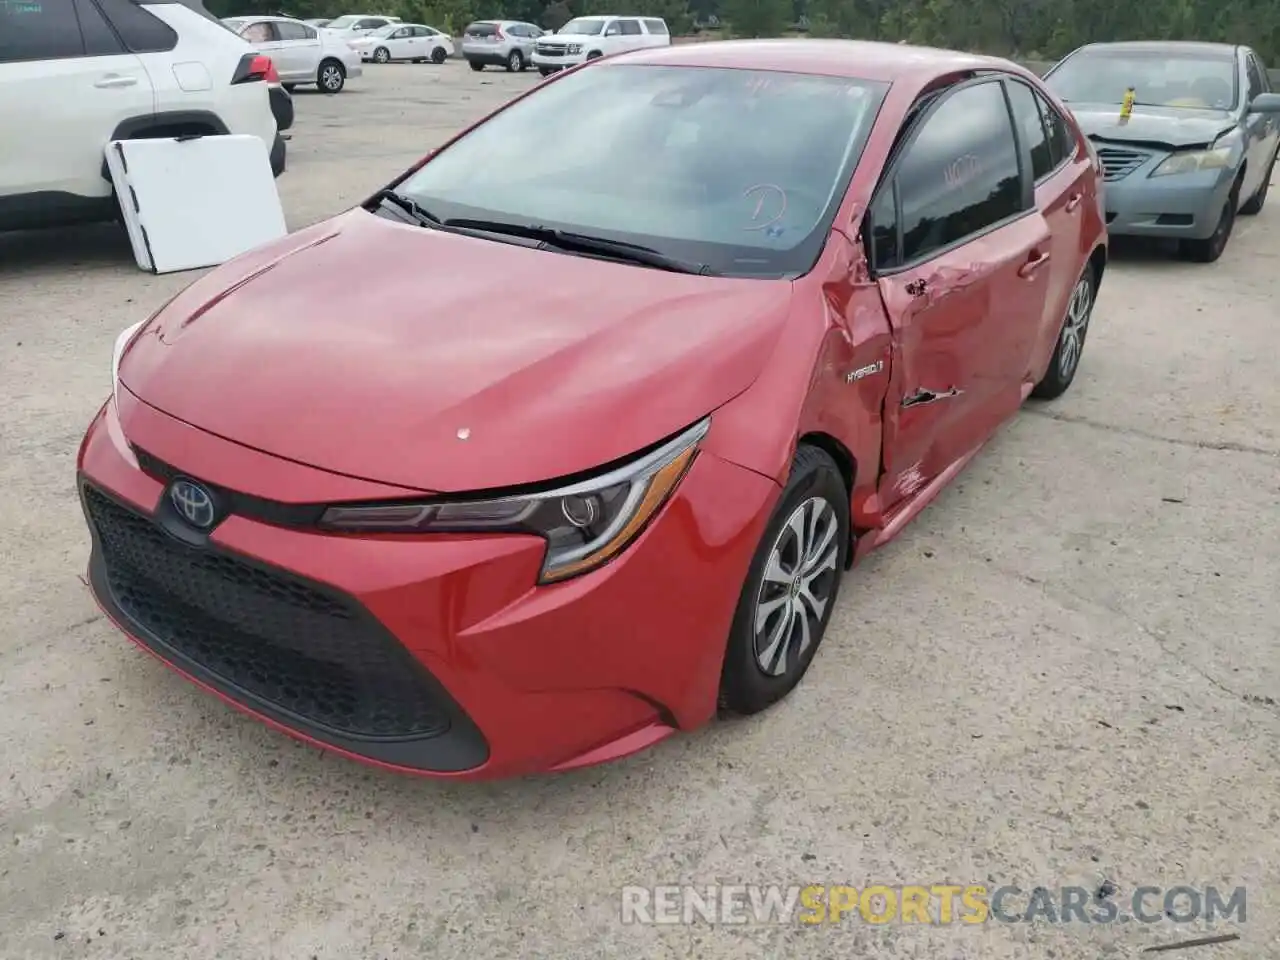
[631,372]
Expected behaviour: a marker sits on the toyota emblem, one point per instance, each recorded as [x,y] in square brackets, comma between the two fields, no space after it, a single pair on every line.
[194,503]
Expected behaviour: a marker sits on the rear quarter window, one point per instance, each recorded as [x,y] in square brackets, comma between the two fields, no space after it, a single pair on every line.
[656,27]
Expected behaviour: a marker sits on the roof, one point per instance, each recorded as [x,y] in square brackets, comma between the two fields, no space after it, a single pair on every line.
[1166,46]
[858,59]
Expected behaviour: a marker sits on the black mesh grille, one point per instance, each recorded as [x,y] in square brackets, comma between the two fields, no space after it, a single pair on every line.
[308,653]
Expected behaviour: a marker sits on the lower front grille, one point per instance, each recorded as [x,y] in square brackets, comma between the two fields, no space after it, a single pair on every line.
[299,647]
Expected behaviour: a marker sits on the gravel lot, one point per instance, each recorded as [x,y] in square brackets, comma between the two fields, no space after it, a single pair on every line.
[1061,674]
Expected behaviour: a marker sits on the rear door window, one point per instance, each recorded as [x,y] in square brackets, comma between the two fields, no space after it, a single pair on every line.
[630,28]
[39,30]
[1030,124]
[960,174]
[294,31]
[99,39]
[1062,141]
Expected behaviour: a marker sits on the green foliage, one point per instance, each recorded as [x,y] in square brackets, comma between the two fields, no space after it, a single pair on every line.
[1031,29]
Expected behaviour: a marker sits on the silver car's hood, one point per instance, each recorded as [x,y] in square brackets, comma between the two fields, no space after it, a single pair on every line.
[1172,127]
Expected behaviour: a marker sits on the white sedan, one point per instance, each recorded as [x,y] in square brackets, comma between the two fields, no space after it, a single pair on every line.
[302,53]
[404,41]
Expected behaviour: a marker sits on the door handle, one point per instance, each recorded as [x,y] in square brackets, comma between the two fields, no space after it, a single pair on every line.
[116,80]
[1074,202]
[1036,261]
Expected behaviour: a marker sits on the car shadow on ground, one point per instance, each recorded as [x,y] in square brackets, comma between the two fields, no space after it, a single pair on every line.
[105,244]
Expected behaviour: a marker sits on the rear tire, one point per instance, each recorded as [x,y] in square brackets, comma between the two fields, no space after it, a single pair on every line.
[476,65]
[1071,336]
[1254,204]
[331,77]
[439,55]
[791,587]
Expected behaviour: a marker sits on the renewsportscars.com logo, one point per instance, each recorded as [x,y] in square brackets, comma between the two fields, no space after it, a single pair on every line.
[935,903]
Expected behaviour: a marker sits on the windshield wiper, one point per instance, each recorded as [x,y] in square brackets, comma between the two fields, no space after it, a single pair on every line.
[550,238]
[408,205]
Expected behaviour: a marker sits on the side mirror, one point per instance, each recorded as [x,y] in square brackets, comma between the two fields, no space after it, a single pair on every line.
[1265,103]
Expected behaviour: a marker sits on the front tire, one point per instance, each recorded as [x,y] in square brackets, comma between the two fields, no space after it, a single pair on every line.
[791,587]
[1254,204]
[331,77]
[515,62]
[594,55]
[545,71]
[1209,249]
[439,56]
[382,55]
[476,65]
[1075,325]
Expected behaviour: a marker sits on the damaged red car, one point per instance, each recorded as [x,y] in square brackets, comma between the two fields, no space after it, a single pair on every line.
[584,453]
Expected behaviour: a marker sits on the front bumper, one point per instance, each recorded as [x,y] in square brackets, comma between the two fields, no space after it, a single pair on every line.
[434,655]
[1178,206]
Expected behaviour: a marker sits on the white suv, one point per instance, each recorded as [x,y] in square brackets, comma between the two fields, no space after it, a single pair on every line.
[75,74]
[586,38]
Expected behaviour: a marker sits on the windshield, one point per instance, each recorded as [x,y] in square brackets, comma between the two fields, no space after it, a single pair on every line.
[342,22]
[1162,78]
[386,31]
[740,170]
[584,27]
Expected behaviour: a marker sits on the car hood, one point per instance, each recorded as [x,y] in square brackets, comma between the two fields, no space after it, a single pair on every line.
[370,348]
[1169,127]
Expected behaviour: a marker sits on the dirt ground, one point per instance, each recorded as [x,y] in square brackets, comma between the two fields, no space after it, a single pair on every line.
[1063,673]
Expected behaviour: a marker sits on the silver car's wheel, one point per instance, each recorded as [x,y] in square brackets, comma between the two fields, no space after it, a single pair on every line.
[382,55]
[332,77]
[799,578]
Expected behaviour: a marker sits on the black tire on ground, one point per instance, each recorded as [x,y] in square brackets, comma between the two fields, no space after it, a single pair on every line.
[766,626]
[1071,338]
[515,61]
[594,55]
[331,77]
[439,55]
[476,65]
[1210,248]
[1253,205]
[382,55]
[545,71]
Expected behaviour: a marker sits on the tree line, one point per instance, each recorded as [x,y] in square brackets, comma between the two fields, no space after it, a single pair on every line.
[1026,29]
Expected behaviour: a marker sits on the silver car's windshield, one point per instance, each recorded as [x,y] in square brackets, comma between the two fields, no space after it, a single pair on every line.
[736,169]
[584,27]
[1164,78]
[342,22]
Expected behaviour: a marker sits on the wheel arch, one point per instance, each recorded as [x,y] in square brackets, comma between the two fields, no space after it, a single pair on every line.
[167,123]
[845,463]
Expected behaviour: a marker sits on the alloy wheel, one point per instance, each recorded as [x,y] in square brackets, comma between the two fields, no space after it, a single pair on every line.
[799,580]
[1074,327]
[331,77]
[381,55]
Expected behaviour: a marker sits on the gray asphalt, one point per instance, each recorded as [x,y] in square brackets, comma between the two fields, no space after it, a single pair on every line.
[1063,673]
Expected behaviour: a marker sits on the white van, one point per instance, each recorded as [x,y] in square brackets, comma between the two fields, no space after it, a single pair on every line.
[586,38]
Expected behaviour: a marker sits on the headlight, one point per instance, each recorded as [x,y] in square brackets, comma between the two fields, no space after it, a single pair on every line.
[575,48]
[585,524]
[122,344]
[1194,160]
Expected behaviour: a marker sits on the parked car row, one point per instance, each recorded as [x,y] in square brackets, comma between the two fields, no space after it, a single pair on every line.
[517,45]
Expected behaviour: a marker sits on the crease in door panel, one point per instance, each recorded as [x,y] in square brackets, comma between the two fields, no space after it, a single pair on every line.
[923,396]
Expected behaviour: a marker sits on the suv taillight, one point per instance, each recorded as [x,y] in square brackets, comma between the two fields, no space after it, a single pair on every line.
[497,33]
[254,67]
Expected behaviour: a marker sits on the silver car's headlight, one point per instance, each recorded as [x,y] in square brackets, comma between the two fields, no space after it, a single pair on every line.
[585,524]
[1193,160]
[122,344]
